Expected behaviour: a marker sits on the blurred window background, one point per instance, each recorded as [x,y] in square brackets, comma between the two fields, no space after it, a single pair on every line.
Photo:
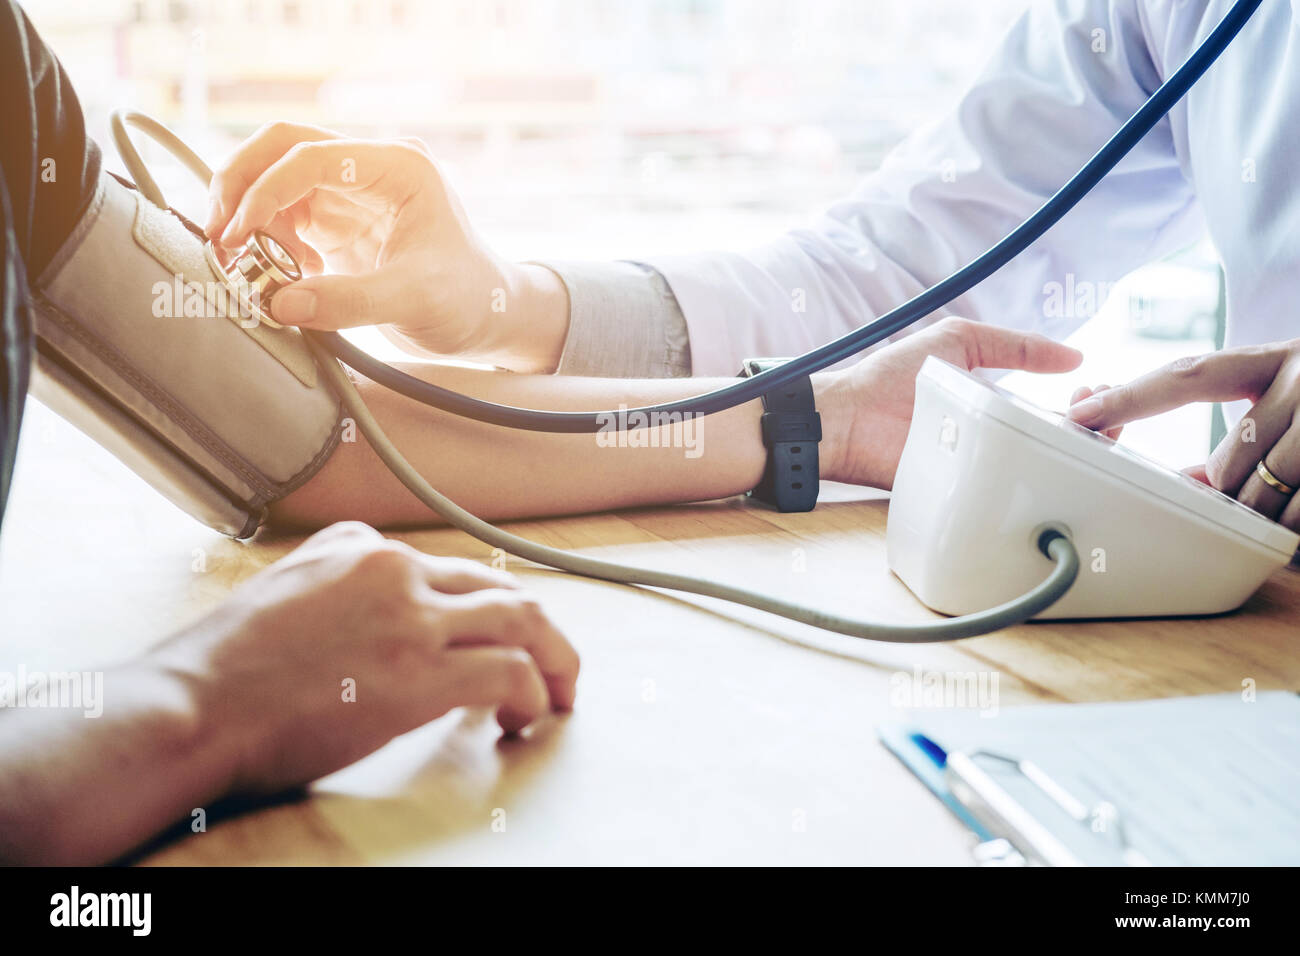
[609,128]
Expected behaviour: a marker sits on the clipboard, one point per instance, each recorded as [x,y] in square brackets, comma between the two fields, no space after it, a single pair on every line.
[1064,785]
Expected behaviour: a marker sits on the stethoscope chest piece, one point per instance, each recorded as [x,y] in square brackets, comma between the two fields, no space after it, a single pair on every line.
[254,274]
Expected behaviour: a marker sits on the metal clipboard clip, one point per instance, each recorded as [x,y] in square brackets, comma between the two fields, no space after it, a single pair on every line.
[1021,838]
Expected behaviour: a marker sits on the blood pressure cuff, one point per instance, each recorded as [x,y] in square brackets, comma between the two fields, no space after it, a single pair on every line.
[139,346]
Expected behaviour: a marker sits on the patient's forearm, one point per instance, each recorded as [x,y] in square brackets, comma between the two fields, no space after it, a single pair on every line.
[500,473]
[77,791]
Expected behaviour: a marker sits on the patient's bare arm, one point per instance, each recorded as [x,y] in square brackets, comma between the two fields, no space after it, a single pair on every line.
[499,473]
[213,711]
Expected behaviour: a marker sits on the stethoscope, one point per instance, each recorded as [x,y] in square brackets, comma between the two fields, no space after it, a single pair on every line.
[263,267]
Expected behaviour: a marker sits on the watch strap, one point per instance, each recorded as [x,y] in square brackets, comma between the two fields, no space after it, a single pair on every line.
[791,430]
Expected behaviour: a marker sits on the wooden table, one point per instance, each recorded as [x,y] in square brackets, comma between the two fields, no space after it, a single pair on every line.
[703,733]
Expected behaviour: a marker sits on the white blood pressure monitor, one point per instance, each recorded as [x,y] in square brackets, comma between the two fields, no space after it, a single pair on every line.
[983,472]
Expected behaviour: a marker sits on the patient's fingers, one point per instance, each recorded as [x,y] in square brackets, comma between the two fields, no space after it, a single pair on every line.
[994,347]
[461,576]
[247,162]
[512,618]
[506,678]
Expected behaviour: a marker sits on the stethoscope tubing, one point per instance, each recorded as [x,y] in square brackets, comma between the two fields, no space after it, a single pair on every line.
[846,346]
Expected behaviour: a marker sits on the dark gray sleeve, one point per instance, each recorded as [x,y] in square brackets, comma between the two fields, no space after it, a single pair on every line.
[624,322]
[48,172]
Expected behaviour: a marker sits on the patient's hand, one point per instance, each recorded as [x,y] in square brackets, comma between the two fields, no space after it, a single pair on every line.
[868,408]
[352,640]
[383,217]
[323,657]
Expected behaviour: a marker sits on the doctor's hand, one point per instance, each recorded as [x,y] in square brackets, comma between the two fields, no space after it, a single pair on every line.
[868,408]
[382,216]
[1268,375]
[353,639]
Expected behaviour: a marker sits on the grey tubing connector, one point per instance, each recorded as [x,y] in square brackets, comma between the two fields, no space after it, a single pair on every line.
[1054,545]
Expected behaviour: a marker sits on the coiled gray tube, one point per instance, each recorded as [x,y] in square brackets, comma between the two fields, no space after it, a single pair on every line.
[1052,543]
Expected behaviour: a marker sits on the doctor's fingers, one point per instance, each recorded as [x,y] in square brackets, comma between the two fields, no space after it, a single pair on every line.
[249,160]
[508,619]
[1282,461]
[1083,392]
[1287,470]
[1234,459]
[284,229]
[386,173]
[1217,377]
[396,294]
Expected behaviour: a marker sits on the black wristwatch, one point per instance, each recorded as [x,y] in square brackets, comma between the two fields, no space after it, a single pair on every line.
[791,430]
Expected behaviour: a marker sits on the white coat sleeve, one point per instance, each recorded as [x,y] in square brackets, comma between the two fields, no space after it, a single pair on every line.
[1065,77]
